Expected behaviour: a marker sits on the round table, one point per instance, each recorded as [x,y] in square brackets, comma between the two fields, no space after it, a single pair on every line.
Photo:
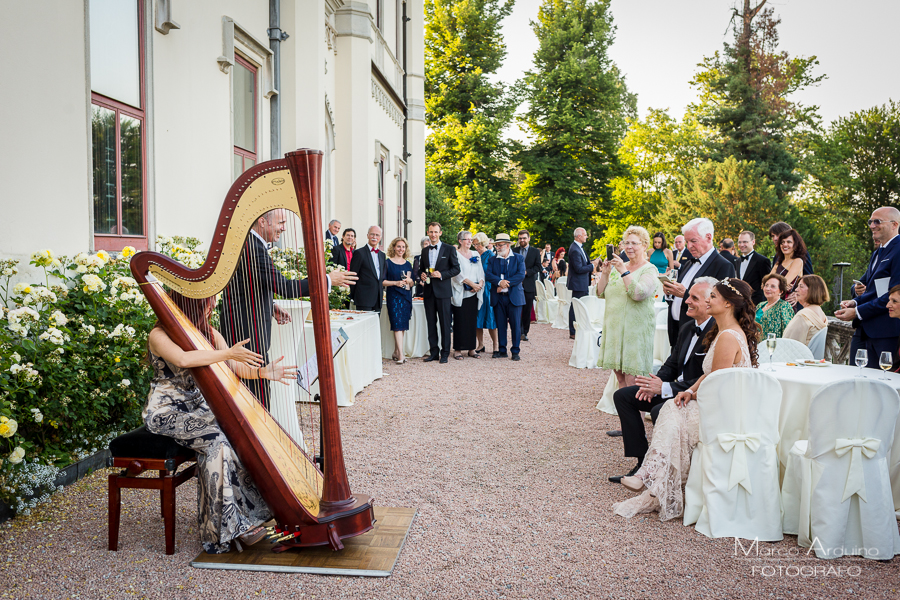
[798,385]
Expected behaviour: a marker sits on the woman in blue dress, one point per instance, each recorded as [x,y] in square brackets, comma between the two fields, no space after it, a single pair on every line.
[398,283]
[485,313]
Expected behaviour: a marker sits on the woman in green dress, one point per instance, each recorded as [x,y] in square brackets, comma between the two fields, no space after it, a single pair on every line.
[626,345]
[775,313]
[660,255]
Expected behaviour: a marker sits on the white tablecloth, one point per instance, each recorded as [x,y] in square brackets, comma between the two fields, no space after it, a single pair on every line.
[799,385]
[415,340]
[357,364]
[661,348]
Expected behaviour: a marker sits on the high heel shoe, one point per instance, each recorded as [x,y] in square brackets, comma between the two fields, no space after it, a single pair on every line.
[635,484]
[480,351]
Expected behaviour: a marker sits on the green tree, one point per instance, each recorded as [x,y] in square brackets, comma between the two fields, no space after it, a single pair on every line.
[744,95]
[578,103]
[466,111]
[439,208]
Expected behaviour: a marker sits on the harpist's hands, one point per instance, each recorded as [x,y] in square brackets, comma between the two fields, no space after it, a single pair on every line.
[342,278]
[275,372]
[244,355]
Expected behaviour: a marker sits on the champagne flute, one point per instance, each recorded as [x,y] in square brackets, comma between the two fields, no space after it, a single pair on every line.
[885,361]
[862,359]
[771,342]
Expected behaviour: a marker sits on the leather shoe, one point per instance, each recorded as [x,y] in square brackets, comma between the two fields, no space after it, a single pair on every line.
[499,354]
[524,338]
[444,359]
[618,478]
[614,433]
[431,358]
[571,336]
[515,357]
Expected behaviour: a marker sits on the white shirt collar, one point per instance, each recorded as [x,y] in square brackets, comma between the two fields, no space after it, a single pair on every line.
[887,243]
[704,323]
[579,243]
[707,255]
[264,242]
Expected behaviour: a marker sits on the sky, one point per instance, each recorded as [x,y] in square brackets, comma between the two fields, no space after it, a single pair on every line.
[659,43]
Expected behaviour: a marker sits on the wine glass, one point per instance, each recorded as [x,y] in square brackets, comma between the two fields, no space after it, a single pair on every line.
[862,359]
[885,361]
[771,342]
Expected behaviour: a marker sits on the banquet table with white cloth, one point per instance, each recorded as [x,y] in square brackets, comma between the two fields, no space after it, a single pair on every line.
[799,384]
[357,364]
[415,339]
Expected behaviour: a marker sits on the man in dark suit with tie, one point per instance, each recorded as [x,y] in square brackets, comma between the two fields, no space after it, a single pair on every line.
[680,371]
[342,254]
[437,267]
[369,263]
[248,300]
[726,249]
[680,252]
[876,331]
[698,236]
[532,259]
[752,266]
[506,271]
[579,273]
[331,234]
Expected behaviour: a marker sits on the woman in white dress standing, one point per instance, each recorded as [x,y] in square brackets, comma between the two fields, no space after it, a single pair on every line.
[467,297]
[732,343]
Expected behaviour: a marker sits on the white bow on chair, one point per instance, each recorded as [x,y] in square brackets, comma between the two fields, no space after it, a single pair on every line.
[856,483]
[739,442]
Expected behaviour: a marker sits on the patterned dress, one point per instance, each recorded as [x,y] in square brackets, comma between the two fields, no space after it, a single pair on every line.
[626,343]
[775,319]
[668,461]
[228,503]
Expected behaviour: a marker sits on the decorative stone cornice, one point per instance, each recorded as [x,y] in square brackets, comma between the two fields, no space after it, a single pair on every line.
[354,20]
[384,100]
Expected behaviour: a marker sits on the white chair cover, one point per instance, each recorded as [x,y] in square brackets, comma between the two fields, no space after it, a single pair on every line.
[732,488]
[661,347]
[786,350]
[540,307]
[586,350]
[563,297]
[837,483]
[607,404]
[551,291]
[817,344]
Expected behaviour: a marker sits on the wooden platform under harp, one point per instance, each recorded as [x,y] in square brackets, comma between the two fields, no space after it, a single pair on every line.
[314,508]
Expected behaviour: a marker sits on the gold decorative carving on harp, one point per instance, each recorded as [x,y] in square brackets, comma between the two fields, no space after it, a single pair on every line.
[316,508]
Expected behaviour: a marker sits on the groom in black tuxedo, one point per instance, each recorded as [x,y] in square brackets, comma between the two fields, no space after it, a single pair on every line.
[248,303]
[680,371]
[437,290]
[698,236]
[752,266]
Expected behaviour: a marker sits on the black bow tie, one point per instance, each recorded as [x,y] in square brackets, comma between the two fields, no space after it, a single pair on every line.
[745,257]
[434,247]
[698,331]
[692,261]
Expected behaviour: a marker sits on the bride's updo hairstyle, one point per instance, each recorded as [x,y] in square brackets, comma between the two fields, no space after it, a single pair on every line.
[738,293]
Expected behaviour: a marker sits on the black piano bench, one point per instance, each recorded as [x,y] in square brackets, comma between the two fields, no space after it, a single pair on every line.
[138,451]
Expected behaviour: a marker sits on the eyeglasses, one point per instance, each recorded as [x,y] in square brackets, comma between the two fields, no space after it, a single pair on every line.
[877,222]
[631,244]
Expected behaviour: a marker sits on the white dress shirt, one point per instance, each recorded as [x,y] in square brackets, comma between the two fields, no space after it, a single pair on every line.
[745,262]
[666,392]
[433,254]
[582,250]
[686,282]
[375,261]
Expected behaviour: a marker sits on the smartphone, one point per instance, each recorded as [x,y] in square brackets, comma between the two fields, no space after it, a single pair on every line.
[857,282]
[609,251]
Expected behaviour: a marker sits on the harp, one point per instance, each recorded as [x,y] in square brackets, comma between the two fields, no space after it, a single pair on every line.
[311,507]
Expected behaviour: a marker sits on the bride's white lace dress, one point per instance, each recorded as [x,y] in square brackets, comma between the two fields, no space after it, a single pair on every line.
[668,459]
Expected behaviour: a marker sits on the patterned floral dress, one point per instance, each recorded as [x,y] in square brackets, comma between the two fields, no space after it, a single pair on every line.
[228,503]
[668,461]
[626,343]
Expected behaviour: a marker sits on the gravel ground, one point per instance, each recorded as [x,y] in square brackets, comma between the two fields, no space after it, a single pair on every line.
[507,466]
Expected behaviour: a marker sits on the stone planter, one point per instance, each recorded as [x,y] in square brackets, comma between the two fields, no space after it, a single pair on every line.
[65,478]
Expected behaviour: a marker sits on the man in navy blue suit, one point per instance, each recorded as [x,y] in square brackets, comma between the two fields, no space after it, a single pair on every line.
[506,271]
[579,275]
[876,332]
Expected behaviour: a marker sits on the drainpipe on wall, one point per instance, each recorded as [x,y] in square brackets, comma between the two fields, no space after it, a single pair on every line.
[276,36]
[406,154]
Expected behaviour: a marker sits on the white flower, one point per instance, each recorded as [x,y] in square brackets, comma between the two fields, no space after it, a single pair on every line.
[8,427]
[125,383]
[58,319]
[81,269]
[19,330]
[92,283]
[55,336]
[37,414]
[17,455]
[89,328]
[81,259]
[21,288]
[15,356]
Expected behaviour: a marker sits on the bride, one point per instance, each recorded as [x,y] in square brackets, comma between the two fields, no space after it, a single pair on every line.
[677,431]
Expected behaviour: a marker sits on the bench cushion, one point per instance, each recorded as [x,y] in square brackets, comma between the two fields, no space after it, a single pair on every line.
[141,443]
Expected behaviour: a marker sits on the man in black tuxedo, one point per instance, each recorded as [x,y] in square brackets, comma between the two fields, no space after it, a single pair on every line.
[680,371]
[752,265]
[419,288]
[579,273]
[369,264]
[331,234]
[698,236]
[342,254]
[532,257]
[437,291]
[726,249]
[680,252]
[248,300]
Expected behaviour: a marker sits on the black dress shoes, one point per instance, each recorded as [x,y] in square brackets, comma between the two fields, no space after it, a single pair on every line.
[515,357]
[614,433]
[431,358]
[444,359]
[618,478]
[524,337]
[498,354]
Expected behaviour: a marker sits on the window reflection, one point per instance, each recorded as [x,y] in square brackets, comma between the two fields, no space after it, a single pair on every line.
[103,132]
[132,177]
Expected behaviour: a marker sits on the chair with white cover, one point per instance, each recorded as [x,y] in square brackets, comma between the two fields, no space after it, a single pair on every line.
[563,298]
[837,490]
[606,403]
[540,308]
[551,291]
[787,350]
[586,349]
[817,344]
[732,489]
[661,347]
